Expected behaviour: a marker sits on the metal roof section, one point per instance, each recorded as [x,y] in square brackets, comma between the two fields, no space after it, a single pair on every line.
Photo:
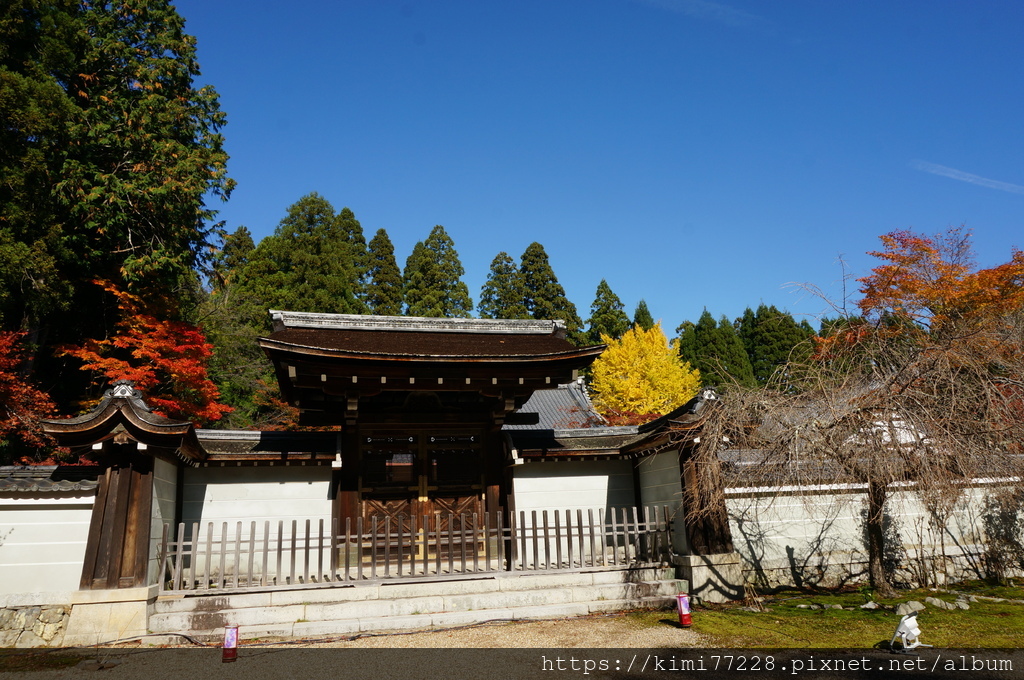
[565,408]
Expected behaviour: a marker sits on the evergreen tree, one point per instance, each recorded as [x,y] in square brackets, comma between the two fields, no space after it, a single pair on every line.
[234,253]
[352,232]
[686,342]
[108,154]
[770,338]
[606,315]
[384,280]
[432,279]
[306,265]
[502,295]
[717,352]
[545,297]
[642,316]
[233,319]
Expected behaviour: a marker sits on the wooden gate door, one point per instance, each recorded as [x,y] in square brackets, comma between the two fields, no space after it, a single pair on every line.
[117,553]
[455,490]
[437,475]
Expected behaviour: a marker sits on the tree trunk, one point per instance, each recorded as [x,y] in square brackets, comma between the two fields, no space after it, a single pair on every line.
[876,539]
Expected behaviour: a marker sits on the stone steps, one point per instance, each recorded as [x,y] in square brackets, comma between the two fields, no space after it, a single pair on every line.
[410,604]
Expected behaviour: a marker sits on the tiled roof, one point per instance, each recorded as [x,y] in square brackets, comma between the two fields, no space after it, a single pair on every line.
[251,443]
[565,408]
[46,479]
[421,344]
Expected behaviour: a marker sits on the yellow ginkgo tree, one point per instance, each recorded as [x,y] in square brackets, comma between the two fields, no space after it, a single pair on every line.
[641,376]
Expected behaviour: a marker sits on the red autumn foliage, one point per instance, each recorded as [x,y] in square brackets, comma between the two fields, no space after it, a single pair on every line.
[21,404]
[165,359]
[623,418]
[931,281]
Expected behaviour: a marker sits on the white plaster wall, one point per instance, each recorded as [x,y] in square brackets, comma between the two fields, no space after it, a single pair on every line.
[660,486]
[165,485]
[230,495]
[42,544]
[586,486]
[818,538]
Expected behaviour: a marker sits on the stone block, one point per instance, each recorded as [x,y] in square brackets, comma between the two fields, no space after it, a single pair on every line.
[448,619]
[47,631]
[53,614]
[439,588]
[25,619]
[92,623]
[504,599]
[656,602]
[712,578]
[324,595]
[281,630]
[143,593]
[529,582]
[28,638]
[325,628]
[6,618]
[394,623]
[551,611]
[264,615]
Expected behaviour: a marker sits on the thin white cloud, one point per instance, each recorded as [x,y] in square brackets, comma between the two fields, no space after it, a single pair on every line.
[952,173]
[713,11]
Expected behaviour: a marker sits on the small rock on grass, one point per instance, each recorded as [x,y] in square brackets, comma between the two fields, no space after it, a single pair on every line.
[905,608]
[870,605]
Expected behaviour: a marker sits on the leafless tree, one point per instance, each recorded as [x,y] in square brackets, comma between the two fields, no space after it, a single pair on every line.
[888,405]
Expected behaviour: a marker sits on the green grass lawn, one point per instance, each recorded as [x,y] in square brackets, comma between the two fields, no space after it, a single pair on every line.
[783,624]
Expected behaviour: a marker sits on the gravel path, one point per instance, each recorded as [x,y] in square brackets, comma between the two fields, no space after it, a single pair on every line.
[587,632]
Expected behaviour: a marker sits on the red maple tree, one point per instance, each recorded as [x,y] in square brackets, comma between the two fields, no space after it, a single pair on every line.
[932,281]
[166,360]
[21,403]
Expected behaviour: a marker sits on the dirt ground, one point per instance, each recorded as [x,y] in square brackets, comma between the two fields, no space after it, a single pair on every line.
[616,631]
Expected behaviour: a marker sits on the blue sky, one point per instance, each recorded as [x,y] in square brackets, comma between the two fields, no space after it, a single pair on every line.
[693,153]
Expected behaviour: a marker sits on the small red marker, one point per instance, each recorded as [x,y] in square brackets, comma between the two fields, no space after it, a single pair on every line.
[230,649]
[683,601]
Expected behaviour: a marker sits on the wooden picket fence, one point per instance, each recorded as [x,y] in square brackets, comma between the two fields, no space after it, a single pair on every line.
[239,555]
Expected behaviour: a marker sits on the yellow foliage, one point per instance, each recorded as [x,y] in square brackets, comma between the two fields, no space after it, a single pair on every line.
[642,373]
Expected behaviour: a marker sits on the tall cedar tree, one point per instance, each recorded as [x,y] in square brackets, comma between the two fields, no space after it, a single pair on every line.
[642,316]
[307,264]
[545,297]
[350,229]
[641,376]
[383,292]
[770,338]
[716,351]
[606,315]
[165,359]
[108,153]
[234,253]
[232,321]
[502,294]
[432,279]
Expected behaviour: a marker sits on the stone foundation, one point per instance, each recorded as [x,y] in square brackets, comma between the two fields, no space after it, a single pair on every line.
[39,626]
[713,578]
[99,616]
